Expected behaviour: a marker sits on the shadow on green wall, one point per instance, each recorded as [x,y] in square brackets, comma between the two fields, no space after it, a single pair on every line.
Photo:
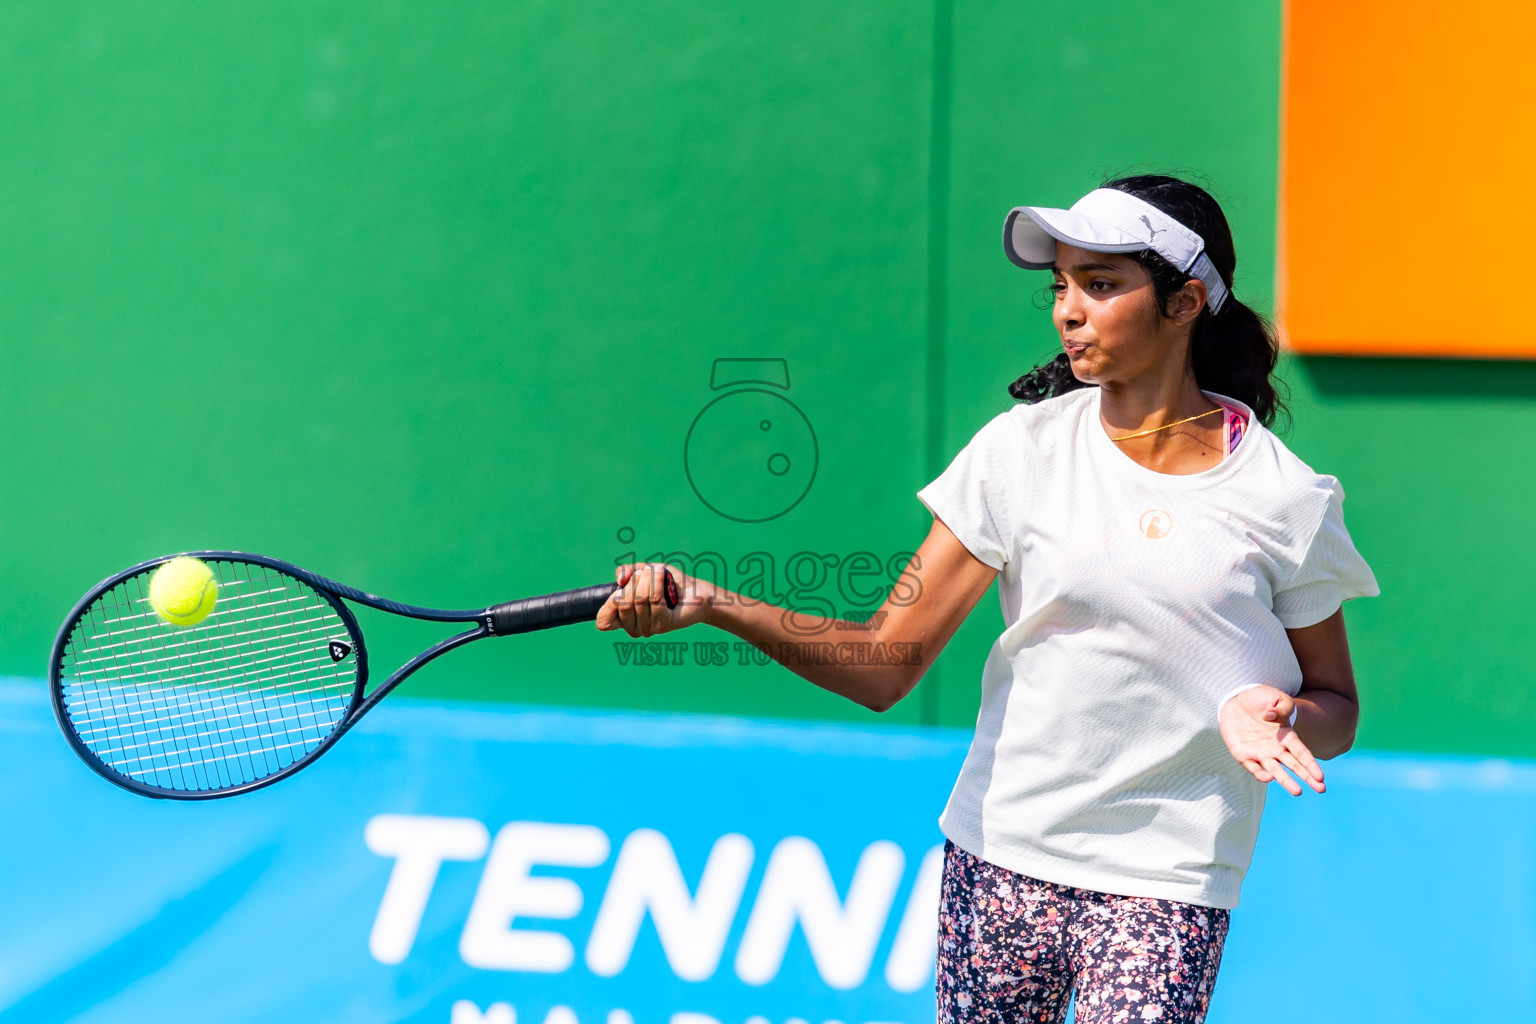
[1410,378]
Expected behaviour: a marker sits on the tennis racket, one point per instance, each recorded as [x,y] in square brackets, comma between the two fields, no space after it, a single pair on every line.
[262,687]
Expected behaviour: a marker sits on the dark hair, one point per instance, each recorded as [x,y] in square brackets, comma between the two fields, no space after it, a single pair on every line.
[1233,352]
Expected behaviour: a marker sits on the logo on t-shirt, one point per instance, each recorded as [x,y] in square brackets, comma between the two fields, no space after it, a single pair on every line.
[1155,523]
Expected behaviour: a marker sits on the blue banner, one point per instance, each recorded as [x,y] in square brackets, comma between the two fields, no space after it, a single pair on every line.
[459,864]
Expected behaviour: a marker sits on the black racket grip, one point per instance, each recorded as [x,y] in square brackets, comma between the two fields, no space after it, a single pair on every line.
[563,609]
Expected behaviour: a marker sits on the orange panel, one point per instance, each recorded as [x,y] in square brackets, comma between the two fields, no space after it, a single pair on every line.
[1408,178]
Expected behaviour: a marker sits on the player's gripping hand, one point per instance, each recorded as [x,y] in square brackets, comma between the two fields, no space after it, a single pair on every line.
[1256,727]
[639,606]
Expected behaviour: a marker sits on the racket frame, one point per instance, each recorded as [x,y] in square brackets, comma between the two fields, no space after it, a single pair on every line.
[360,703]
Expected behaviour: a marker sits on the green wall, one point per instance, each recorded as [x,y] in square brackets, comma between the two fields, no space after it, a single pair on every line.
[427,297]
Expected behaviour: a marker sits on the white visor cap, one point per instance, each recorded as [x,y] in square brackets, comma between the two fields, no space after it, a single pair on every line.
[1108,220]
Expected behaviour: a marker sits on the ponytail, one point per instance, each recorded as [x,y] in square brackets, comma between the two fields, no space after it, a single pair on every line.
[1233,352]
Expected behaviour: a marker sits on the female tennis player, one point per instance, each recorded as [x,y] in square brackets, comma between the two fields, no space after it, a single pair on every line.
[1172,579]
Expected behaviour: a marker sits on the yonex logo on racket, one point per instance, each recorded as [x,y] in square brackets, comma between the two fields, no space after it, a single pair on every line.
[339,650]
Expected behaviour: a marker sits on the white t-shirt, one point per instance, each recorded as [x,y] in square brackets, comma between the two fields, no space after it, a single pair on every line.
[1133,601]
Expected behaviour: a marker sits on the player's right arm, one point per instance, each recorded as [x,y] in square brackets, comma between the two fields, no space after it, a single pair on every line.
[933,595]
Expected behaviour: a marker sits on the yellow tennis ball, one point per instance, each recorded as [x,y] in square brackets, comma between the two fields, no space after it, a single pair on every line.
[183,591]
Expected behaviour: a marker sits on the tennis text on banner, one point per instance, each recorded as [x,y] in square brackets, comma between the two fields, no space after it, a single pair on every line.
[466,1011]
[521,879]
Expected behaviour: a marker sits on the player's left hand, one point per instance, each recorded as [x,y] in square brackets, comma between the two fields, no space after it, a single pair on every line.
[1255,726]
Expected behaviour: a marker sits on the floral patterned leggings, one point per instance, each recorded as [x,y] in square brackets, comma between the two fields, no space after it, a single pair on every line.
[1012,948]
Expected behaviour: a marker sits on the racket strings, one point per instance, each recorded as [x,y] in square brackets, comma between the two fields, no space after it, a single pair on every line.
[232,651]
[118,729]
[235,653]
[241,695]
[108,722]
[150,623]
[195,703]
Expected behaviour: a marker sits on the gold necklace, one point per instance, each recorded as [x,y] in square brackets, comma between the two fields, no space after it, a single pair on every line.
[1165,426]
